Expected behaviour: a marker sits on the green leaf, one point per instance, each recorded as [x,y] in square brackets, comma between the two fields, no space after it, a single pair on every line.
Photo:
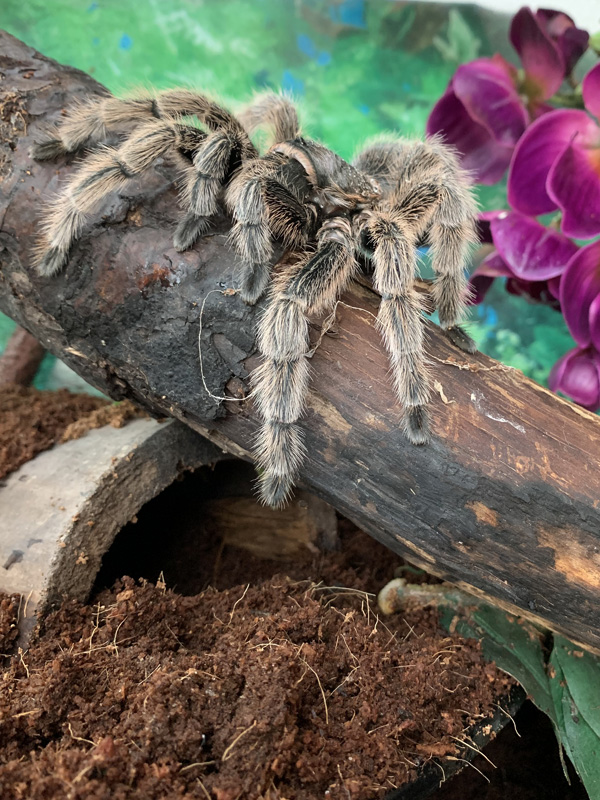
[579,740]
[516,647]
[582,674]
[513,644]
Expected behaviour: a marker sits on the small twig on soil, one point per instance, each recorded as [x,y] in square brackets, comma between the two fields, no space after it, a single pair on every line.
[197,764]
[320,687]
[23,661]
[79,738]
[228,750]
[203,787]
[512,719]
[344,787]
[437,763]
[239,600]
[96,627]
[474,748]
[26,713]
[26,602]
[470,764]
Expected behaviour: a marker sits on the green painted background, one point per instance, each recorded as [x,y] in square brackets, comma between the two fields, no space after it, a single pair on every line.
[358,67]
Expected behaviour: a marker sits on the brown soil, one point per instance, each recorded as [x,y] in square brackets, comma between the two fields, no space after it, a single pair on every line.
[9,614]
[285,689]
[32,421]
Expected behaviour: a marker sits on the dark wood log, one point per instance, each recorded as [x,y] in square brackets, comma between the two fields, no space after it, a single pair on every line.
[21,358]
[505,501]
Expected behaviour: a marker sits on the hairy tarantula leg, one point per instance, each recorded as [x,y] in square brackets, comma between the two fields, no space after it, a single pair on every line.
[399,318]
[281,382]
[452,234]
[250,237]
[275,112]
[88,123]
[263,205]
[211,167]
[105,171]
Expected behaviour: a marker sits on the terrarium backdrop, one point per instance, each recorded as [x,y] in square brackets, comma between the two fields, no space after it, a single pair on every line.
[358,67]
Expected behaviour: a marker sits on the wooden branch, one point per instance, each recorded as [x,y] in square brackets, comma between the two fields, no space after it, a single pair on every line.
[505,501]
[21,358]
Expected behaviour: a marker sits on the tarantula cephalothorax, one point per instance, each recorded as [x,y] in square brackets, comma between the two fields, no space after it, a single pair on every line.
[306,196]
[396,192]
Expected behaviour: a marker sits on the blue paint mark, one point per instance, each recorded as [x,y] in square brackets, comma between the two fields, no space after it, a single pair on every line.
[492,316]
[95,41]
[290,83]
[92,6]
[350,12]
[261,78]
[126,42]
[323,59]
[487,314]
[364,108]
[306,45]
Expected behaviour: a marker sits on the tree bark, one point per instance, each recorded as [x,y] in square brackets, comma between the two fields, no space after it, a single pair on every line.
[21,358]
[506,499]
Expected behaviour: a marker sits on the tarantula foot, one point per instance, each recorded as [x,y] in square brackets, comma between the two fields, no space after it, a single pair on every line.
[416,424]
[47,150]
[190,229]
[52,262]
[461,339]
[253,285]
[274,490]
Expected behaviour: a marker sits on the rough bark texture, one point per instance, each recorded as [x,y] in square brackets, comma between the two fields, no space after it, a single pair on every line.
[505,501]
[21,358]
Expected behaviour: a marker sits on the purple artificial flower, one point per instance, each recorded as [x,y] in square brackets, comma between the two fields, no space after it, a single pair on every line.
[556,165]
[482,115]
[530,256]
[488,105]
[577,374]
[580,296]
[549,45]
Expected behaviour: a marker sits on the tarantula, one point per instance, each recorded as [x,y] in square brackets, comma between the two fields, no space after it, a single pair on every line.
[395,193]
[207,160]
[380,207]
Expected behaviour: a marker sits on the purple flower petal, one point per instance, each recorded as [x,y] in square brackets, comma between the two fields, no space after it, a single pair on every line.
[554,287]
[484,218]
[541,58]
[577,374]
[571,41]
[532,291]
[491,267]
[487,89]
[479,286]
[594,318]
[540,146]
[480,153]
[532,251]
[579,287]
[590,88]
[574,185]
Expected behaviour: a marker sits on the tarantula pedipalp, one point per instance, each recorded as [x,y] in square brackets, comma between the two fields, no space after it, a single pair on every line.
[155,127]
[381,206]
